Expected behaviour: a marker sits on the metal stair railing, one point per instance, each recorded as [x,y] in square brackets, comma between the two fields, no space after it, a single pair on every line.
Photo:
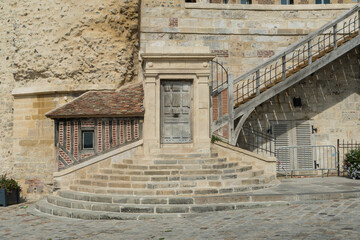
[297,56]
[282,67]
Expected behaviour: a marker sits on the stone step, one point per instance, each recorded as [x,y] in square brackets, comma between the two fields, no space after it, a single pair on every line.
[169,172]
[176,153]
[175,161]
[220,165]
[160,206]
[178,182]
[263,179]
[142,179]
[174,191]
[44,208]
[154,200]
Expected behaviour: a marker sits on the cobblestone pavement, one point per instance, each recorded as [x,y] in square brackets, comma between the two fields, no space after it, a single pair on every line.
[316,220]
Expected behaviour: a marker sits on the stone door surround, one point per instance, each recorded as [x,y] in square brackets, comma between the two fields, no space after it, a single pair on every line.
[192,67]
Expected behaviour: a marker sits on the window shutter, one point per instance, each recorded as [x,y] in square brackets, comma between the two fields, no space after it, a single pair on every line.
[281,132]
[304,158]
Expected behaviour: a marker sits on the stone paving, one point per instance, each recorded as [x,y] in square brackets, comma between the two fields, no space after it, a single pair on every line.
[339,219]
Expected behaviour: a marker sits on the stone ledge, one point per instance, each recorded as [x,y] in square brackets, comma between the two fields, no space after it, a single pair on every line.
[259,7]
[246,152]
[43,90]
[98,159]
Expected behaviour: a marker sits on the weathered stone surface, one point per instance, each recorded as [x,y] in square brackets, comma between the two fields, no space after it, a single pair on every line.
[51,46]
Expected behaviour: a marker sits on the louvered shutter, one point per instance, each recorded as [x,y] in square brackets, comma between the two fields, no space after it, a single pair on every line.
[281,132]
[304,154]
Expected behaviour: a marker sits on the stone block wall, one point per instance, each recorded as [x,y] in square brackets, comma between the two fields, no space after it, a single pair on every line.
[34,155]
[241,36]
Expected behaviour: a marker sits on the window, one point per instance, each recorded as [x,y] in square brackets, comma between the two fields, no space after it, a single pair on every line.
[190,1]
[286,2]
[322,1]
[88,139]
[219,1]
[245,1]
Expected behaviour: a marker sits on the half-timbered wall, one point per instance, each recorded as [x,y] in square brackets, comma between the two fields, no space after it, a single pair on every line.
[109,133]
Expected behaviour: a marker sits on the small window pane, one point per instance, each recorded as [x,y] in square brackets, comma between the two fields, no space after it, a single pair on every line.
[88,140]
[326,1]
[245,1]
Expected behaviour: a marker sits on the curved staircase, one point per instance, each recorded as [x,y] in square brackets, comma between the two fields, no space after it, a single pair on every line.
[167,185]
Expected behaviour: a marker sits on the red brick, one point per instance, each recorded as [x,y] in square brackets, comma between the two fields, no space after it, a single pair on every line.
[76,140]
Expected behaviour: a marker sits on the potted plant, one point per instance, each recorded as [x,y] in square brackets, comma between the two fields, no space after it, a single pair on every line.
[9,191]
[352,163]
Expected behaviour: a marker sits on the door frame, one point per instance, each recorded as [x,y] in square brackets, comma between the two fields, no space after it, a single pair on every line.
[177,66]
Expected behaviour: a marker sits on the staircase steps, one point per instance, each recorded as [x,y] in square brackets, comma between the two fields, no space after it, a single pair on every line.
[174,154]
[175,161]
[225,180]
[80,205]
[244,171]
[138,188]
[184,188]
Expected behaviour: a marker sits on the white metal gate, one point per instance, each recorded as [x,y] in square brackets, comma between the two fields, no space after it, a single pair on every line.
[318,157]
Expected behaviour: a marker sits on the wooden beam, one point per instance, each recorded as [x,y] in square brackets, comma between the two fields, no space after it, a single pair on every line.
[240,125]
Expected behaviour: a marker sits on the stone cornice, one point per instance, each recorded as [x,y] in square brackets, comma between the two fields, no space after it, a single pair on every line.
[53,89]
[177,56]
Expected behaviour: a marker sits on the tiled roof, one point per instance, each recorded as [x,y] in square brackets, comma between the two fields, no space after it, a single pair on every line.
[126,102]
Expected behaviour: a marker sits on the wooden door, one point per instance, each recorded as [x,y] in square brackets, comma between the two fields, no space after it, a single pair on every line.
[176,102]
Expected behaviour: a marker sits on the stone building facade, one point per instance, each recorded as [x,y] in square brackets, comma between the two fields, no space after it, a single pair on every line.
[53,52]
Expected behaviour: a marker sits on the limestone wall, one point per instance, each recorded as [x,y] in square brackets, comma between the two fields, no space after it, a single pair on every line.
[257,161]
[6,86]
[64,179]
[52,51]
[330,97]
[242,36]
[73,42]
[34,155]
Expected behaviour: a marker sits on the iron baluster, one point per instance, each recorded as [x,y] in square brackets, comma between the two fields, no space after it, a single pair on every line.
[335,36]
[284,67]
[309,52]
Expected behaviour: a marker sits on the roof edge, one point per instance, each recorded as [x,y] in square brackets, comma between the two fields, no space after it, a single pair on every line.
[95,116]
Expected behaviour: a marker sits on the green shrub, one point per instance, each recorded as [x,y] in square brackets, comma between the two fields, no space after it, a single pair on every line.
[8,184]
[352,163]
[215,139]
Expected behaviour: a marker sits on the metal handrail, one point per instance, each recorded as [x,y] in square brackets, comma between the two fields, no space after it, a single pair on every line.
[219,77]
[257,141]
[296,57]
[299,43]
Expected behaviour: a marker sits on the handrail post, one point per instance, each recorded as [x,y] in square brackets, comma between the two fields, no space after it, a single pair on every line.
[310,51]
[359,21]
[284,67]
[231,108]
[257,82]
[338,156]
[335,35]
